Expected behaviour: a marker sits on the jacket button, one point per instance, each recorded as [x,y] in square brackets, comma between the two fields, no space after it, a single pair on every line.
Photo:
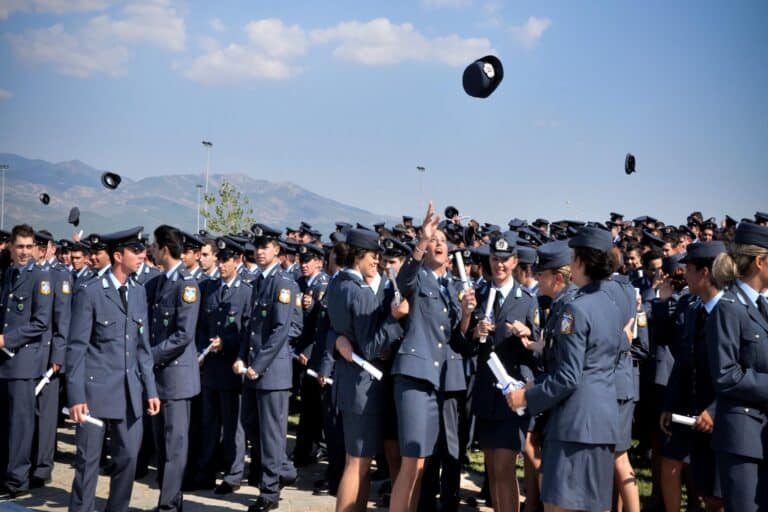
[445,310]
[442,328]
[746,409]
[413,350]
[439,345]
[127,354]
[437,364]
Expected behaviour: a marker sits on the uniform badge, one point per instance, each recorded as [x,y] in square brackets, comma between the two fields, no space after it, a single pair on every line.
[642,319]
[165,322]
[285,296]
[45,287]
[190,294]
[320,295]
[20,306]
[298,301]
[231,319]
[66,289]
[141,329]
[536,320]
[461,295]
[566,324]
[264,313]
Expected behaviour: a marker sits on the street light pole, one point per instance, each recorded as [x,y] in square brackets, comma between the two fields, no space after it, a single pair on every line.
[3,169]
[199,188]
[208,145]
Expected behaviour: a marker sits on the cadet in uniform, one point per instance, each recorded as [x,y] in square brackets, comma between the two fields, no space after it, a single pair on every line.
[515,317]
[223,324]
[54,352]
[173,314]
[80,269]
[312,285]
[26,304]
[736,334]
[266,357]
[109,373]
[579,389]
[190,256]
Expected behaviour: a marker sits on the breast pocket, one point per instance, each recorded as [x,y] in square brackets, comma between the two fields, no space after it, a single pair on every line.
[756,356]
[105,328]
[164,317]
[18,304]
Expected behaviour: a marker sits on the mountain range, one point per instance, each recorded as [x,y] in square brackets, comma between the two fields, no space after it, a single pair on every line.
[170,199]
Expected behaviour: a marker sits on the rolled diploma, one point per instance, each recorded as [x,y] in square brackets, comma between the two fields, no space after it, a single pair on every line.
[488,309]
[204,353]
[688,421]
[45,380]
[313,373]
[462,272]
[365,365]
[7,352]
[506,382]
[88,419]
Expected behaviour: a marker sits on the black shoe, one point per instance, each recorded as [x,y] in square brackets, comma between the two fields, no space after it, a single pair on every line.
[225,488]
[285,482]
[38,483]
[197,484]
[321,488]
[262,505]
[12,494]
[301,462]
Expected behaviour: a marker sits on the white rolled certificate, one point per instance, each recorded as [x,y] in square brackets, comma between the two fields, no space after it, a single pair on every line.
[506,382]
[313,373]
[45,380]
[688,421]
[88,419]
[7,352]
[459,260]
[489,309]
[365,365]
[204,353]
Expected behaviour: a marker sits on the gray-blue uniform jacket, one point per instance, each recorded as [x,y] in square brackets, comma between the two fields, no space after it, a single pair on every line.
[56,337]
[519,362]
[737,341]
[580,389]
[666,323]
[306,341]
[640,349]
[624,297]
[173,311]
[552,325]
[365,319]
[26,307]
[146,274]
[226,314]
[323,361]
[109,360]
[266,348]
[434,313]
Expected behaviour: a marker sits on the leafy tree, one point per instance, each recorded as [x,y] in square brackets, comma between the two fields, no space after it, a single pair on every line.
[229,213]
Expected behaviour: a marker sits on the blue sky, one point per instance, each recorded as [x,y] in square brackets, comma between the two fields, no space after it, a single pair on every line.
[346,98]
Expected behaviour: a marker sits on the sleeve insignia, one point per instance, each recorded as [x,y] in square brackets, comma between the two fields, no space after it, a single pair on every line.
[190,294]
[66,288]
[642,319]
[320,295]
[285,296]
[298,300]
[461,295]
[566,324]
[45,287]
[536,320]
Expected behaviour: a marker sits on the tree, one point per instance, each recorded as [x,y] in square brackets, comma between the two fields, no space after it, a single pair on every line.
[230,213]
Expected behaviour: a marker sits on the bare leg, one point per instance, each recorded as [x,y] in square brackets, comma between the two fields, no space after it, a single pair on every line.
[671,483]
[504,488]
[532,464]
[392,453]
[353,490]
[405,491]
[624,476]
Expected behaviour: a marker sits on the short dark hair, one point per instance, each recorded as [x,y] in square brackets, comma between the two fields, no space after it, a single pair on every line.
[170,237]
[21,230]
[653,254]
[597,263]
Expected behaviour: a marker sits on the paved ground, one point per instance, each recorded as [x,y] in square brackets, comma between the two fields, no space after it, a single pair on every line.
[297,498]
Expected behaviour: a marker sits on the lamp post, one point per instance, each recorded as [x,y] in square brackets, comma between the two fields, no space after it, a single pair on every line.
[208,145]
[199,188]
[3,169]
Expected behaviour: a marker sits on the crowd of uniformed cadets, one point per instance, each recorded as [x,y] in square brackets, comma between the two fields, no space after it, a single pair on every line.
[188,347]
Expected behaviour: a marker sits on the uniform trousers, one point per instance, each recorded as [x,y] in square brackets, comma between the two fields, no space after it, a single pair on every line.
[17,401]
[334,439]
[221,420]
[47,421]
[744,482]
[310,422]
[171,430]
[125,439]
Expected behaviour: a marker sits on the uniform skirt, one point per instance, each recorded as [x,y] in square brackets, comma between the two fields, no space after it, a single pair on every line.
[418,416]
[508,434]
[363,434]
[577,476]
[678,445]
[626,413]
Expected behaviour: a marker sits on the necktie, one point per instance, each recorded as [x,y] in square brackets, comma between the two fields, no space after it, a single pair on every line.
[257,283]
[124,296]
[497,305]
[14,276]
[223,293]
[762,305]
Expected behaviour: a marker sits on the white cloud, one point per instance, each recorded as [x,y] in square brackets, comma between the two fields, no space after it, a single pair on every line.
[445,4]
[531,32]
[267,54]
[380,42]
[7,7]
[4,95]
[101,46]
[217,25]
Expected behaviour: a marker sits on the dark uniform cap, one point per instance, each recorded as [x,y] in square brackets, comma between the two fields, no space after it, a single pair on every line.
[341,226]
[308,252]
[289,246]
[592,238]
[616,217]
[95,242]
[710,223]
[629,163]
[242,240]
[483,76]
[4,235]
[526,255]
[731,222]
[262,231]
[553,255]
[360,226]
[395,248]
[226,248]
[540,222]
[45,198]
[451,212]
[517,223]
[505,244]
[686,230]
[43,237]
[407,220]
[761,217]
[379,226]
[703,251]
[363,239]
[671,263]
[749,233]
[191,241]
[339,236]
[651,239]
[289,230]
[126,238]
[315,234]
[65,244]
[111,180]
[74,216]
[304,226]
